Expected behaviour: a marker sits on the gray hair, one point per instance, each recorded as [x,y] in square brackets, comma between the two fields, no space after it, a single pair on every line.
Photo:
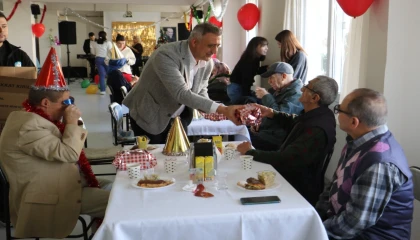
[369,106]
[327,89]
[36,96]
[202,29]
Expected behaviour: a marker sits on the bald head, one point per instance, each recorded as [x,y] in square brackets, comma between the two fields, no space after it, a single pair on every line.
[368,106]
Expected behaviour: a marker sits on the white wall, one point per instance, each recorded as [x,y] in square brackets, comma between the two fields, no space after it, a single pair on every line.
[20,31]
[271,23]
[234,36]
[402,83]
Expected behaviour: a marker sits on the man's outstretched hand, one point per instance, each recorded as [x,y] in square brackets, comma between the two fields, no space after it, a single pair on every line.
[229,112]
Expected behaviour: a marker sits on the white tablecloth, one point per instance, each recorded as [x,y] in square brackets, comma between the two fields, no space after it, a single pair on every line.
[225,127]
[172,213]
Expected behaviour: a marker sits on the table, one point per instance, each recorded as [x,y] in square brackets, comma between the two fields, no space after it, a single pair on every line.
[212,128]
[172,213]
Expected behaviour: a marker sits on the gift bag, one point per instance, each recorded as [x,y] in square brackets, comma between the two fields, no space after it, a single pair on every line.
[249,115]
[134,156]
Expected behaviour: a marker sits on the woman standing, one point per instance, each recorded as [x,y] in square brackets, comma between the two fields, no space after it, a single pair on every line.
[242,77]
[292,52]
[102,47]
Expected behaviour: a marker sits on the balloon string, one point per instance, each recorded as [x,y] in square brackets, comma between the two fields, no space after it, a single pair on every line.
[43,13]
[13,10]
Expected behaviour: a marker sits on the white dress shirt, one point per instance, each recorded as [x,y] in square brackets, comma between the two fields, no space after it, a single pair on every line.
[194,66]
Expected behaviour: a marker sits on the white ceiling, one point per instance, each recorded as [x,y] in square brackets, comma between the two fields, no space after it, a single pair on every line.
[137,2]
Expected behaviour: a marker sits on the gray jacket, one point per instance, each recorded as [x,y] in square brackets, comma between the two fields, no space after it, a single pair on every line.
[163,88]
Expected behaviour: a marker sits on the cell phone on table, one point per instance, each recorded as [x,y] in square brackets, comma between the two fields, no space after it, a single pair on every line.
[260,200]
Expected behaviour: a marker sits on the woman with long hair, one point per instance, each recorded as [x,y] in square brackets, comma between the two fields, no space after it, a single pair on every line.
[242,77]
[101,49]
[292,52]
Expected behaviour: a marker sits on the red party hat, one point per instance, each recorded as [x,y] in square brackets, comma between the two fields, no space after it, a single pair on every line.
[51,76]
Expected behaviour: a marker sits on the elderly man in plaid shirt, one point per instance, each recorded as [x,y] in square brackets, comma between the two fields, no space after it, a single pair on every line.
[371,196]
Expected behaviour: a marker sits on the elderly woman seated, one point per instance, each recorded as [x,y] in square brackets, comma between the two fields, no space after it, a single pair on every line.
[218,82]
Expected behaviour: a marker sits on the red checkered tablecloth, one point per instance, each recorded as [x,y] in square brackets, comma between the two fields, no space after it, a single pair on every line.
[134,156]
[214,116]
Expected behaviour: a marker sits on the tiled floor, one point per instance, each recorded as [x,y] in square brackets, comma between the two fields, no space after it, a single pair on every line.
[97,119]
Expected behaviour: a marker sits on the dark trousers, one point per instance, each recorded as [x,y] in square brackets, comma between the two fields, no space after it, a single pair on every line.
[92,68]
[161,137]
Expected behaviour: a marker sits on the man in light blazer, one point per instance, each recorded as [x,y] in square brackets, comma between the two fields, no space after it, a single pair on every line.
[51,182]
[173,82]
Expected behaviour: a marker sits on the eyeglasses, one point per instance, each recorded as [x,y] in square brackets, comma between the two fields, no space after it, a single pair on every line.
[69,101]
[338,110]
[306,86]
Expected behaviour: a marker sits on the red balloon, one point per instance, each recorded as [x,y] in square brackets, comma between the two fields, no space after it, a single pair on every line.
[248,16]
[214,21]
[96,79]
[355,8]
[38,29]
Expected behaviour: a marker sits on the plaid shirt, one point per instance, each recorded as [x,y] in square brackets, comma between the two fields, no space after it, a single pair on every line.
[369,195]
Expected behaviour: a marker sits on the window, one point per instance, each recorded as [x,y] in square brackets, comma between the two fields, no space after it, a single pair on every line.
[325,29]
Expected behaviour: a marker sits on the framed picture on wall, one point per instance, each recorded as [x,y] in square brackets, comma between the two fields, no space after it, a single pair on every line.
[170,33]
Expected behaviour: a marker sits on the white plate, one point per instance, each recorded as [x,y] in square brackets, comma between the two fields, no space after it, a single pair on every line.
[134,184]
[274,186]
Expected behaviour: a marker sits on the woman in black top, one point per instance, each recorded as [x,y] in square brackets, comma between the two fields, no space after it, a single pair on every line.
[242,77]
[292,52]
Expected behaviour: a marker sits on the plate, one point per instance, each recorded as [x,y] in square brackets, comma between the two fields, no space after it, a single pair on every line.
[272,187]
[134,184]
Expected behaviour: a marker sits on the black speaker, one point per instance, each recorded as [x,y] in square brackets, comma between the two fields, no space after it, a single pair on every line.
[35,9]
[67,32]
[183,32]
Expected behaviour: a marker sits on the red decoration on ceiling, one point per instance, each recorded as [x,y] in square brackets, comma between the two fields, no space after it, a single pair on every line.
[214,21]
[355,8]
[248,16]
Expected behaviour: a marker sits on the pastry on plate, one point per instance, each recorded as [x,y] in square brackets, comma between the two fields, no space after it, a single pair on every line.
[153,183]
[254,184]
[266,177]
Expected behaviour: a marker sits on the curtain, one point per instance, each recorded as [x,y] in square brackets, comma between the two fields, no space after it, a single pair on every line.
[352,62]
[147,35]
[294,18]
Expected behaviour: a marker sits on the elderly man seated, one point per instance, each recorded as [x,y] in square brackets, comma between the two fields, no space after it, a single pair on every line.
[311,136]
[51,181]
[270,135]
[371,196]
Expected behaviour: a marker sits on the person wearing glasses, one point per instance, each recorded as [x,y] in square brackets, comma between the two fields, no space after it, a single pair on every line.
[310,138]
[51,181]
[285,98]
[371,195]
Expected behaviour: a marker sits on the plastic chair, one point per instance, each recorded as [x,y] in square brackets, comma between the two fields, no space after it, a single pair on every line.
[416,182]
[5,216]
[120,136]
[124,91]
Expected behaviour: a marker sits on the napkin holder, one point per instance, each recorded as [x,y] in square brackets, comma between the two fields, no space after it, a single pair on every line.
[203,155]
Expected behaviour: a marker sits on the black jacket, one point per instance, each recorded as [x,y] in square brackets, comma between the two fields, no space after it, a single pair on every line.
[15,54]
[86,46]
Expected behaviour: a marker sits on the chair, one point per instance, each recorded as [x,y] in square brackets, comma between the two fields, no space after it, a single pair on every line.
[124,91]
[416,182]
[5,216]
[120,136]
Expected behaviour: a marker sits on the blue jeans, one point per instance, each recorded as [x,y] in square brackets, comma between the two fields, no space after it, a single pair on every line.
[102,70]
[234,91]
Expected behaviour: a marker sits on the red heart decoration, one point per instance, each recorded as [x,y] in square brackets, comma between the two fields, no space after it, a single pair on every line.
[355,8]
[214,21]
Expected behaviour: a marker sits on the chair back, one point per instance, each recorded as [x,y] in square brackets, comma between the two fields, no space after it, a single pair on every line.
[124,91]
[416,181]
[110,92]
[117,118]
[326,162]
[4,212]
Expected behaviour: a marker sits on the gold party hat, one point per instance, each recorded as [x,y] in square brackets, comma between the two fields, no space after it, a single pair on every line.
[197,115]
[177,143]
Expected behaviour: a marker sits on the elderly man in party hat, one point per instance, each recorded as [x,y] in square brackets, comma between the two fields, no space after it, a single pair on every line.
[51,181]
